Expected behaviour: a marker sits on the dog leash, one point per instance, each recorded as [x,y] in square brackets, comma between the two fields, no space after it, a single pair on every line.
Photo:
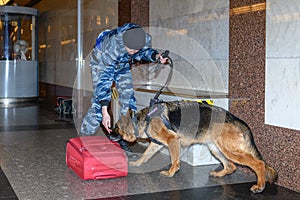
[155,100]
[155,109]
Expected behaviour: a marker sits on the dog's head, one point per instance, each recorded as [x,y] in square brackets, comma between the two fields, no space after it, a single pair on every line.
[126,127]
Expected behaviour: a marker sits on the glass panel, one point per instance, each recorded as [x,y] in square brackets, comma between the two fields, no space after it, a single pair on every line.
[18,65]
[90,23]
[15,36]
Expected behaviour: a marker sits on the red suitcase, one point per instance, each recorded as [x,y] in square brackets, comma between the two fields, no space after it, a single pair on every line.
[96,157]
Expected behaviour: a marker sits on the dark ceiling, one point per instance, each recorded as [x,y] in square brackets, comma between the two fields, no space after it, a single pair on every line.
[44,5]
[27,3]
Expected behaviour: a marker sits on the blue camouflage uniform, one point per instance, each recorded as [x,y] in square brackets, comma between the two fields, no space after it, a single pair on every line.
[110,63]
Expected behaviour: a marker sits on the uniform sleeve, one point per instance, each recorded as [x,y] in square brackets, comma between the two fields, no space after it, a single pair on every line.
[147,53]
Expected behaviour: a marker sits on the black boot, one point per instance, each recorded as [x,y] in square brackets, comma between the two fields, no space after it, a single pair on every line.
[114,137]
[117,138]
[124,145]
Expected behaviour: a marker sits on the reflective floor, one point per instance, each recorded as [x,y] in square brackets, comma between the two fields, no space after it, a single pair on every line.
[32,160]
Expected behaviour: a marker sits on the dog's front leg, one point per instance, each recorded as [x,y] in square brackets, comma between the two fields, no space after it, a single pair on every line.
[174,150]
[152,149]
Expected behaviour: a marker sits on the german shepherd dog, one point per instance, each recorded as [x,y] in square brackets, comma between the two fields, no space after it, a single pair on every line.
[184,123]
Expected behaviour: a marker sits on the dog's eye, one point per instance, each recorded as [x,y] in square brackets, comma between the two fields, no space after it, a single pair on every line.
[116,130]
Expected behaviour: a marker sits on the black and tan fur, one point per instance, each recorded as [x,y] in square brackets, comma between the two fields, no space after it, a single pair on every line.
[228,138]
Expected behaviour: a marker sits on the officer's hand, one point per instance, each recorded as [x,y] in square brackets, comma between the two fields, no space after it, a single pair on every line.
[163,60]
[163,57]
[106,119]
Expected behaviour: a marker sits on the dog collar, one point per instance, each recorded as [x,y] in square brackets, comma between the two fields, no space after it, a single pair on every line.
[156,111]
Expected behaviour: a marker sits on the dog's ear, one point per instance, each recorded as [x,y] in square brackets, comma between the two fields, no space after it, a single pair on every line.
[129,113]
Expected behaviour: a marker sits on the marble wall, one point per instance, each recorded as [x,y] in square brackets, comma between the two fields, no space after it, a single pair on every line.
[248,86]
[283,64]
[197,35]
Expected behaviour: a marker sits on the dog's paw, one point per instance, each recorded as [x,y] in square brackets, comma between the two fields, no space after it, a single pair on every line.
[167,173]
[213,174]
[135,164]
[257,189]
[217,173]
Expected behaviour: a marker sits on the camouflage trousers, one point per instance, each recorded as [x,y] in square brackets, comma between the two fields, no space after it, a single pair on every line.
[103,76]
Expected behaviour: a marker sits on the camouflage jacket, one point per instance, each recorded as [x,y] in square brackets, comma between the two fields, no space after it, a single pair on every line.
[110,58]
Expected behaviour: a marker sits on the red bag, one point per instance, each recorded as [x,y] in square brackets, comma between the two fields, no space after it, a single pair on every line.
[96,157]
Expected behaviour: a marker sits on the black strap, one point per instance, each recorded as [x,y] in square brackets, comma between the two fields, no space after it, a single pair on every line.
[151,138]
[166,122]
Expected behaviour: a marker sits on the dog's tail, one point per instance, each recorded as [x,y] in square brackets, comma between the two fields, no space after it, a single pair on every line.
[271,174]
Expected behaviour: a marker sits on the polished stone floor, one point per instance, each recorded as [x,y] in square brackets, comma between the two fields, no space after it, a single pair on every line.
[32,160]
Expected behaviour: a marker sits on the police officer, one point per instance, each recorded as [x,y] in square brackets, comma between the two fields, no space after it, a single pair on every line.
[110,62]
